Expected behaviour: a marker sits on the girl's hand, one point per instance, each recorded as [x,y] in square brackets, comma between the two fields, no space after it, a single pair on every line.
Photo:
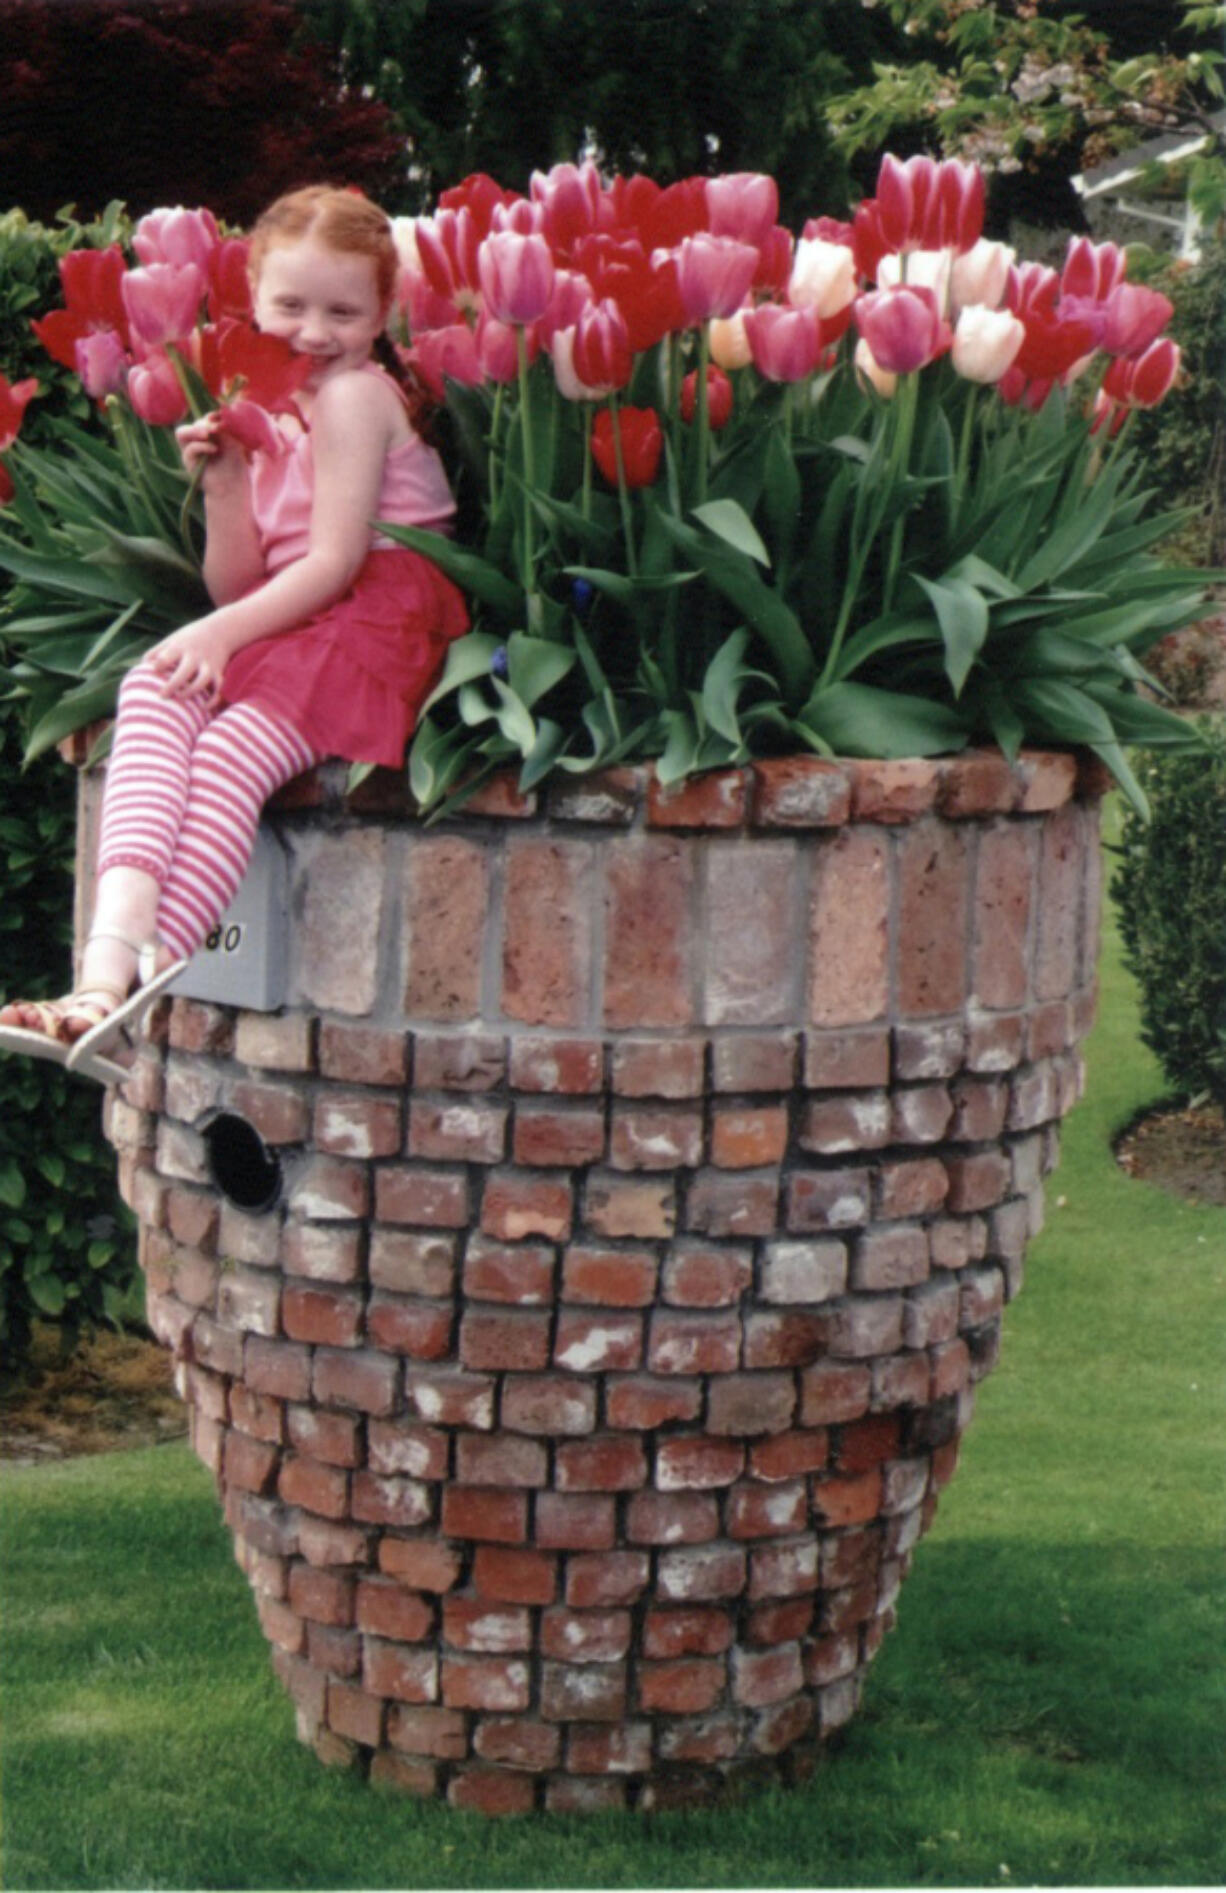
[206,446]
[191,661]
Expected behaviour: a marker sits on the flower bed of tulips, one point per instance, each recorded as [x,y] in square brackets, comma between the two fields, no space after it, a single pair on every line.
[864,491]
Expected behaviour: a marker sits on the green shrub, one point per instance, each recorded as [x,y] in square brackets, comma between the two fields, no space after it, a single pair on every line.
[29,286]
[67,1243]
[1171,890]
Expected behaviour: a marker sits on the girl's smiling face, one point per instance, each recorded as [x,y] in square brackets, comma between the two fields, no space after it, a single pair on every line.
[325,303]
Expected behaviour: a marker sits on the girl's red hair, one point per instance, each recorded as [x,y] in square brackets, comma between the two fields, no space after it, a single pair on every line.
[342,219]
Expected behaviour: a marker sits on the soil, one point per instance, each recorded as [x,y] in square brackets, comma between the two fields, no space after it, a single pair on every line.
[116,1391]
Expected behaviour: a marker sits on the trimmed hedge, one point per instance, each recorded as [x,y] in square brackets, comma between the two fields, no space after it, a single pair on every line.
[1171,891]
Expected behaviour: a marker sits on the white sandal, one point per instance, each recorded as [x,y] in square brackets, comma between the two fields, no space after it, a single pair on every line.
[92,1046]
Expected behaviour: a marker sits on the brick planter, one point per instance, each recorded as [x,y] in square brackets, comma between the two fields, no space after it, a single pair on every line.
[653,1172]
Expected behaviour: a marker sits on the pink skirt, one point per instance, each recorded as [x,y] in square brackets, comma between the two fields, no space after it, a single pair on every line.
[353,678]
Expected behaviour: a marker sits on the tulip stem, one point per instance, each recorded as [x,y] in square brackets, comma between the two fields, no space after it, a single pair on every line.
[904,416]
[492,474]
[623,491]
[588,415]
[964,445]
[531,596]
[701,412]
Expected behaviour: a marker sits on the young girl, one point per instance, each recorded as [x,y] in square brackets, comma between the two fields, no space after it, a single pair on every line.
[324,641]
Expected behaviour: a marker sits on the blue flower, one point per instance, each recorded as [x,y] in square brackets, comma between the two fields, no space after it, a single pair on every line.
[582,593]
[498,662]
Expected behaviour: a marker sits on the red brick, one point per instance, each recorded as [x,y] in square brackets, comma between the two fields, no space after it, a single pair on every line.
[932,1048]
[761,1677]
[733,1203]
[249,1463]
[868,1442]
[254,1413]
[659,1068]
[702,1630]
[848,1501]
[700,1343]
[495,1338]
[352,1713]
[448,1397]
[904,1484]
[753,900]
[565,1066]
[585,1636]
[930,1315]
[404,1775]
[921,1114]
[571,1794]
[754,1061]
[477,1512]
[593,1750]
[386,1609]
[562,1136]
[604,1464]
[444,925]
[649,932]
[390,1500]
[783,1570]
[693,1462]
[871,1324]
[672,1518]
[471,1623]
[846,1123]
[432,1199]
[192,1217]
[800,792]
[666,1137]
[846,1061]
[809,1272]
[422,1563]
[849,931]
[790,1454]
[331,1189]
[701,1573]
[894,1257]
[979,1109]
[780,1622]
[995,1041]
[893,791]
[280,1625]
[851,1557]
[548,1403]
[566,1521]
[547,946]
[409,1674]
[698,1275]
[1050,1030]
[498,1683]
[982,1297]
[715,799]
[349,1124]
[499,798]
[818,1200]
[315,1486]
[364,1380]
[514,1577]
[978,782]
[428,1731]
[469,1130]
[419,1329]
[515,1742]
[1004,881]
[324,1315]
[791,1338]
[199,1028]
[589,1692]
[1061,868]
[951,1368]
[977,1180]
[409,1262]
[629,1205]
[746,1138]
[913,1187]
[616,1577]
[323,1252]
[754,1510]
[335,1649]
[519,1203]
[641,1403]
[363,1055]
[900,1380]
[687,1686]
[215,1346]
[613,1278]
[195,1278]
[502,1459]
[591,1343]
[933,872]
[458,1061]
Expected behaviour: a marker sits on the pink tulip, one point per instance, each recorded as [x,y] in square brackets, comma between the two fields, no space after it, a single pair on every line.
[520,218]
[1135,317]
[714,275]
[1092,270]
[177,236]
[517,276]
[903,328]
[785,342]
[252,427]
[743,204]
[570,202]
[102,362]
[986,343]
[154,391]
[602,358]
[442,355]
[1142,381]
[960,198]
[896,198]
[827,230]
[496,347]
[562,354]
[571,296]
[925,205]
[163,300]
[823,276]
[447,246]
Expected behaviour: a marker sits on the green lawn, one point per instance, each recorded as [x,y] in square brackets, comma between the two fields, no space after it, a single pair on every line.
[1051,1708]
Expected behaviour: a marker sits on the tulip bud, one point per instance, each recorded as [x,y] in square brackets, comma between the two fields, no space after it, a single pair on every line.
[823,276]
[719,398]
[642,443]
[163,300]
[744,204]
[517,276]
[714,275]
[154,392]
[902,327]
[785,342]
[102,362]
[1135,317]
[177,236]
[728,341]
[981,275]
[496,349]
[986,343]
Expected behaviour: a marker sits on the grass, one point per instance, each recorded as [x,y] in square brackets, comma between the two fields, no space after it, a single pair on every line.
[1051,1708]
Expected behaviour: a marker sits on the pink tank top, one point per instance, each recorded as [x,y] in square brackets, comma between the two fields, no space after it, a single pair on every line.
[414,492]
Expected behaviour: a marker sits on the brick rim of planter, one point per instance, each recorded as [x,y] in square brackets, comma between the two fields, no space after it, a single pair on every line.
[578,1410]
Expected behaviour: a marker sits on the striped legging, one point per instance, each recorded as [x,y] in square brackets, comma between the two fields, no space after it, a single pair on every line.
[184,790]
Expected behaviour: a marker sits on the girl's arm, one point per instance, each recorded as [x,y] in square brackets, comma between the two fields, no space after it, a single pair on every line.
[356,420]
[233,563]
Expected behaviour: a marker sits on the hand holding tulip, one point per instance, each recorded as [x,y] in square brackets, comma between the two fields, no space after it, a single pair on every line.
[191,660]
[211,452]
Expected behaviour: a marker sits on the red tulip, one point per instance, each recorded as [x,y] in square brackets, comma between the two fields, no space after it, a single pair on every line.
[154,391]
[601,357]
[785,343]
[743,204]
[231,355]
[923,205]
[447,246]
[229,283]
[775,254]
[665,219]
[1142,381]
[517,275]
[571,204]
[91,281]
[1135,317]
[442,355]
[252,427]
[645,291]
[903,328]
[714,275]
[719,397]
[480,195]
[15,396]
[177,236]
[163,301]
[960,199]
[1092,269]
[868,239]
[1054,344]
[642,443]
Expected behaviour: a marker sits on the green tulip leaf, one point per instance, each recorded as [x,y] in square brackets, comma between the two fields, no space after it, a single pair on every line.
[729,521]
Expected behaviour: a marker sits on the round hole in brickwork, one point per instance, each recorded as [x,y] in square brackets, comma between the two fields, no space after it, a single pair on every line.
[241,1165]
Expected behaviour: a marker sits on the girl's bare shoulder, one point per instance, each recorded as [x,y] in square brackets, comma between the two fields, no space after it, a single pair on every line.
[354,398]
